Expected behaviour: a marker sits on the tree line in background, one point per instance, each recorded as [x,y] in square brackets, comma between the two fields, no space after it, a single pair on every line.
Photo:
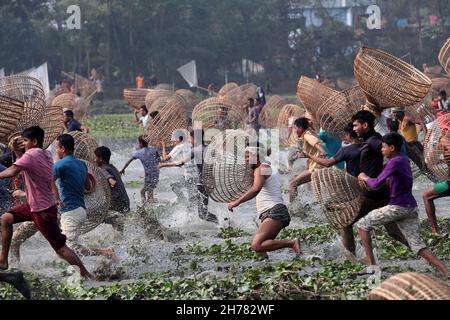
[124,38]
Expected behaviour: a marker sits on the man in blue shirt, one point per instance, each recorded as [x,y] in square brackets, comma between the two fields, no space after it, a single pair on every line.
[72,174]
[71,123]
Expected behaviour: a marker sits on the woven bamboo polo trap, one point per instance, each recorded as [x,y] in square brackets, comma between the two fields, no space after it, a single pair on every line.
[135,97]
[437,148]
[339,195]
[227,88]
[336,113]
[78,105]
[85,146]
[155,94]
[289,113]
[53,124]
[191,99]
[216,113]
[411,286]
[268,117]
[226,174]
[388,81]
[27,91]
[11,111]
[84,86]
[171,118]
[312,94]
[98,201]
[240,95]
[444,56]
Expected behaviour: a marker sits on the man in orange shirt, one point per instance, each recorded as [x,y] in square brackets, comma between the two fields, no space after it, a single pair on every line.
[140,80]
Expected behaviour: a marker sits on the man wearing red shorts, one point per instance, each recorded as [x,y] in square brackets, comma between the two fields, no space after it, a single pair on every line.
[37,167]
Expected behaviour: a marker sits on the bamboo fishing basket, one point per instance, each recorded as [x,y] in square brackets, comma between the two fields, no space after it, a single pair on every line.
[268,117]
[444,56]
[171,118]
[411,286]
[336,113]
[98,201]
[155,94]
[289,113]
[312,94]
[78,105]
[388,81]
[227,88]
[11,111]
[191,99]
[53,124]
[85,146]
[440,83]
[226,174]
[84,86]
[29,92]
[135,97]
[207,112]
[240,95]
[437,148]
[339,195]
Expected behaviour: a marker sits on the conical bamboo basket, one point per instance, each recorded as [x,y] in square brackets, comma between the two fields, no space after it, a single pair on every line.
[11,111]
[312,94]
[171,118]
[268,117]
[207,112]
[225,173]
[388,81]
[240,95]
[191,99]
[29,92]
[336,113]
[227,88]
[339,195]
[155,94]
[135,97]
[444,56]
[437,148]
[287,113]
[98,201]
[85,146]
[411,286]
[53,124]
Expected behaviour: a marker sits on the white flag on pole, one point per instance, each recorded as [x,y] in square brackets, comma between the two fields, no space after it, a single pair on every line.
[189,73]
[40,73]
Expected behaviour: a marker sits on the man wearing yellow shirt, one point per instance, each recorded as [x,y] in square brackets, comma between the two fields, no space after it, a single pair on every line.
[312,146]
[408,129]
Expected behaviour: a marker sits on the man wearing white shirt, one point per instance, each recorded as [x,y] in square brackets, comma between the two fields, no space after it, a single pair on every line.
[181,150]
[143,120]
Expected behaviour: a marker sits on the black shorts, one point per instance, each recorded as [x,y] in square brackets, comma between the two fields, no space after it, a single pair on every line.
[279,212]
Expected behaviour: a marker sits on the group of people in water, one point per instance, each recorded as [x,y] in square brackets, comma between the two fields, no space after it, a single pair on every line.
[54,198]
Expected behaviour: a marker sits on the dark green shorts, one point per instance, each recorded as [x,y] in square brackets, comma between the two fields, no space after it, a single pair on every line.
[442,188]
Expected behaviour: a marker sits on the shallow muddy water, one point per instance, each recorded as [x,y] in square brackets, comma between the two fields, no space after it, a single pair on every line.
[141,254]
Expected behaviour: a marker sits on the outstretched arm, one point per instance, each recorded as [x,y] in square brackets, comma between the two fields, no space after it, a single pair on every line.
[10,172]
[258,184]
[126,165]
[321,149]
[323,162]
[165,156]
